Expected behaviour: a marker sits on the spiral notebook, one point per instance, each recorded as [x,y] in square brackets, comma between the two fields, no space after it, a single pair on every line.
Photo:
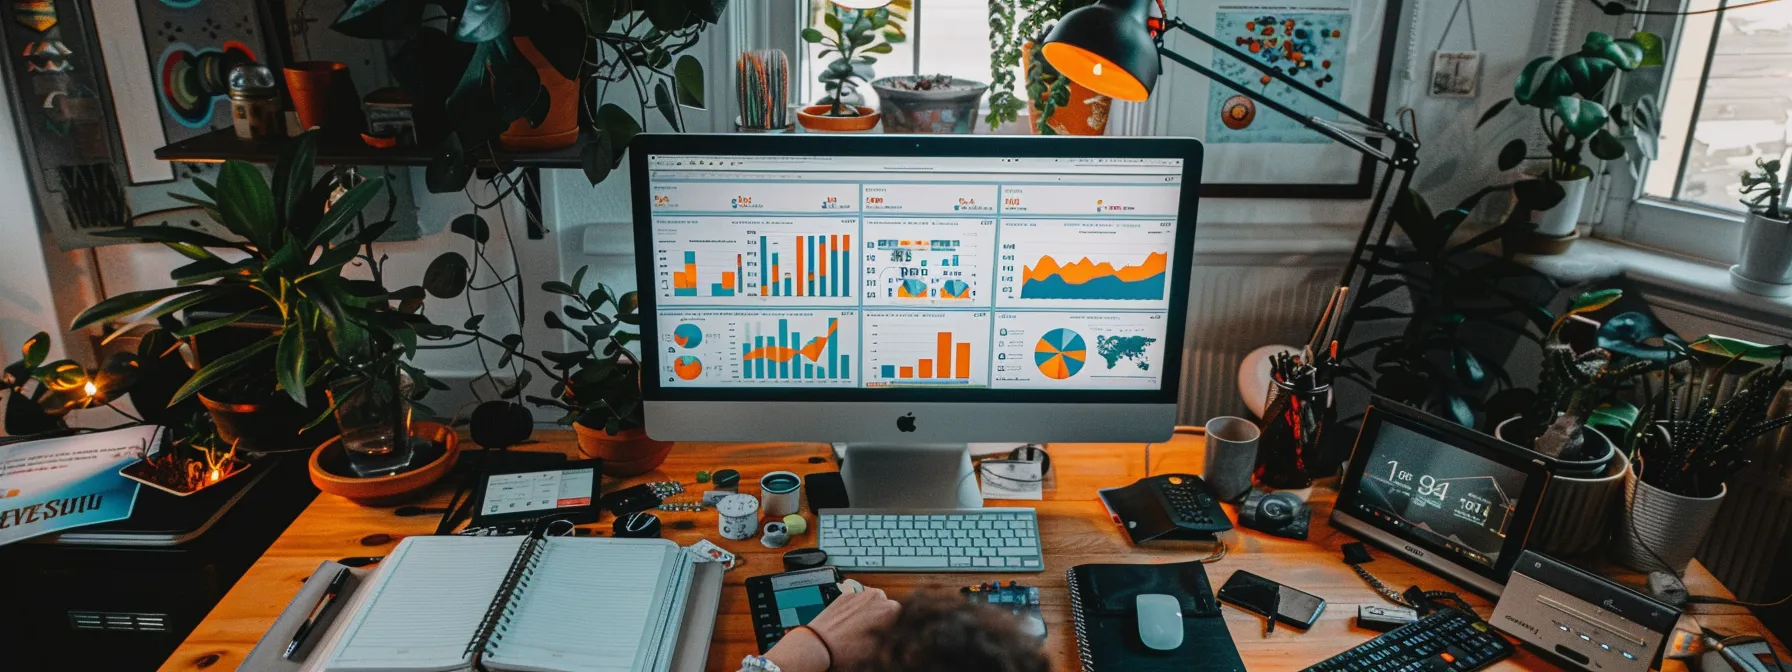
[516,604]
[1102,599]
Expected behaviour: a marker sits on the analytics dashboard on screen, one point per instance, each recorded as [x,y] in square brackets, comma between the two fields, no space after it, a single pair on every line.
[893,272]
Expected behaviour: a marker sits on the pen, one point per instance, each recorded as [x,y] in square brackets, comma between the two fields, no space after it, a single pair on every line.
[329,597]
[1274,606]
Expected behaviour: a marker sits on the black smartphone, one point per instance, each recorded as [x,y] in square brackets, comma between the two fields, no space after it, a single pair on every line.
[825,491]
[1261,596]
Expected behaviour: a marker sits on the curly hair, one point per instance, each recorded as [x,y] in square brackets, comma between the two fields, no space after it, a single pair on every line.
[941,632]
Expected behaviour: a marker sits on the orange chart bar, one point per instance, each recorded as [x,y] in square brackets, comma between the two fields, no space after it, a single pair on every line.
[964,361]
[944,355]
[908,372]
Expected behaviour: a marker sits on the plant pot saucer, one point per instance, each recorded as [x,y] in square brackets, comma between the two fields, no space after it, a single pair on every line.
[1756,287]
[1532,242]
[138,471]
[815,118]
[436,453]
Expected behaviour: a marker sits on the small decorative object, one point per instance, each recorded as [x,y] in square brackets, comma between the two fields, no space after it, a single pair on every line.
[854,38]
[255,103]
[1230,456]
[780,493]
[312,86]
[1575,122]
[796,523]
[1292,425]
[1455,74]
[1766,267]
[762,84]
[776,535]
[374,416]
[702,477]
[637,525]
[559,126]
[1687,443]
[438,447]
[737,516]
[188,465]
[389,116]
[599,386]
[726,479]
[929,104]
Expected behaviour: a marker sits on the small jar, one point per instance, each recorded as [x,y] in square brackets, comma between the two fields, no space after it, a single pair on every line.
[254,102]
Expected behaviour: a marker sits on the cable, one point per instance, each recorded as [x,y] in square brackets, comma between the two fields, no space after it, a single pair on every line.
[1613,8]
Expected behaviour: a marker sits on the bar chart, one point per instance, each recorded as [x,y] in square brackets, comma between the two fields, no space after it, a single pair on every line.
[927,349]
[927,262]
[817,265]
[717,348]
[782,352]
[724,262]
[730,282]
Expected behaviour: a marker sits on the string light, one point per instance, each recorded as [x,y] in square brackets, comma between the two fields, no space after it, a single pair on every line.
[91,389]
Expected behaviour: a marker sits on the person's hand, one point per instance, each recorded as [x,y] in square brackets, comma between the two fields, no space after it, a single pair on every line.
[846,629]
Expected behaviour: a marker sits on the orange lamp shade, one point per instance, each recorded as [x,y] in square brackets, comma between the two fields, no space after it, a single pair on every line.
[1091,70]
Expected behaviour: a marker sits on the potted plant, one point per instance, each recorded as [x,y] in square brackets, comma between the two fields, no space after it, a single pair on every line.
[1766,267]
[1570,96]
[1058,105]
[599,386]
[510,74]
[1688,441]
[929,104]
[41,395]
[853,41]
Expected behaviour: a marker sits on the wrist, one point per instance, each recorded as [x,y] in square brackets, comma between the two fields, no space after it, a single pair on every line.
[803,652]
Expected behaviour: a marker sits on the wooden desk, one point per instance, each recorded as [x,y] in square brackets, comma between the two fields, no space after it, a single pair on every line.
[1076,530]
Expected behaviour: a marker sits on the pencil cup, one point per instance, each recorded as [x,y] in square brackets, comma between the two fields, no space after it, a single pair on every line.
[738,516]
[780,493]
[1231,456]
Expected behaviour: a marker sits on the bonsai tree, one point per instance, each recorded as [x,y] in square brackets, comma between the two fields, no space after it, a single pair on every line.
[1569,96]
[1013,25]
[1763,192]
[854,42]
[599,386]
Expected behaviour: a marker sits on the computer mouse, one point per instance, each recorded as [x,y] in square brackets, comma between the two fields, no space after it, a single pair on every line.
[1160,621]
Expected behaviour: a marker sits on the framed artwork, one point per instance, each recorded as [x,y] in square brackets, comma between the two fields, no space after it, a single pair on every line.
[1343,48]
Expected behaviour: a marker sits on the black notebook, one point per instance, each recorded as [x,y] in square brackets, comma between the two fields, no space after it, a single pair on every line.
[1102,599]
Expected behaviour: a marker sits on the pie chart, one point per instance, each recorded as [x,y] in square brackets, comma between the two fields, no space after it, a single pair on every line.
[687,367]
[687,335]
[1059,355]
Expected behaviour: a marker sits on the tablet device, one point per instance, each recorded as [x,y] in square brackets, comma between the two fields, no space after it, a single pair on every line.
[566,491]
[1441,495]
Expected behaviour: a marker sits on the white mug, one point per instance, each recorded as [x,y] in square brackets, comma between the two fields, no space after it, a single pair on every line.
[780,493]
[738,516]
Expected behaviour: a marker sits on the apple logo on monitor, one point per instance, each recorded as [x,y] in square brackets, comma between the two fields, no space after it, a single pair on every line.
[906,423]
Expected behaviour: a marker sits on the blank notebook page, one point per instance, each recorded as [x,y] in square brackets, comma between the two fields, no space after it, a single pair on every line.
[587,607]
[428,604]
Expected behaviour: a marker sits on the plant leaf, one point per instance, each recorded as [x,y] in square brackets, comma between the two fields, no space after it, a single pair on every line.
[446,276]
[1541,83]
[289,362]
[247,206]
[597,159]
[662,100]
[1539,195]
[484,21]
[1512,154]
[36,349]
[812,36]
[620,126]
[472,226]
[1414,217]
[1605,146]
[1588,75]
[1493,112]
[220,368]
[211,325]
[1654,55]
[689,74]
[345,211]
[1583,118]
[293,173]
[1467,366]
[1630,334]
[125,304]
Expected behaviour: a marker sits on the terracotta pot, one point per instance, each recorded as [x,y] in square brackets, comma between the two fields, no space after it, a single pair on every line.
[627,454]
[1087,113]
[814,118]
[328,461]
[561,127]
[313,85]
[263,427]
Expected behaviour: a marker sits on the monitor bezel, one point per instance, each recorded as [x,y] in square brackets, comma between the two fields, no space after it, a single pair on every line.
[1383,412]
[910,146]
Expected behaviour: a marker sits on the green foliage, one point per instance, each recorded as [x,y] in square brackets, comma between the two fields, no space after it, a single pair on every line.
[1577,390]
[855,38]
[1012,24]
[1569,95]
[598,386]
[1768,190]
[1708,436]
[41,394]
[469,81]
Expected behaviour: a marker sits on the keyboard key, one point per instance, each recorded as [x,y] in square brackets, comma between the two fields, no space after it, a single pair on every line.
[1014,550]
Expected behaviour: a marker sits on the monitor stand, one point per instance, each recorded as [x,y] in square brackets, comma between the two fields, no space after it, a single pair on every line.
[914,476]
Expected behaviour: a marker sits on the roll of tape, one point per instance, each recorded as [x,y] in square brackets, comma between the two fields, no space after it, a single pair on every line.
[737,516]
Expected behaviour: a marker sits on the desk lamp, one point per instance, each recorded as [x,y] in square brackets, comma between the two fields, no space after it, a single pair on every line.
[1113,47]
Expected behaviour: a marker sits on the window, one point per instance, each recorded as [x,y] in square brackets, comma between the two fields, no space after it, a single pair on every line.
[1728,102]
[944,37]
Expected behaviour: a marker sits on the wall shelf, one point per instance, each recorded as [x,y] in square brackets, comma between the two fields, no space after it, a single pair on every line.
[223,145]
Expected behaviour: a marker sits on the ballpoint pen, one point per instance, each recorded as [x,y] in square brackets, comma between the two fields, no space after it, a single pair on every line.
[323,602]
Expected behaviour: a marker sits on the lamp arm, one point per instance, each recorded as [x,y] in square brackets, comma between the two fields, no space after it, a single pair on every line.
[1316,125]
[1280,76]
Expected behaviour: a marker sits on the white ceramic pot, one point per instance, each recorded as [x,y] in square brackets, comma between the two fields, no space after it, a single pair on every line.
[1660,530]
[1559,221]
[1766,261]
[1576,514]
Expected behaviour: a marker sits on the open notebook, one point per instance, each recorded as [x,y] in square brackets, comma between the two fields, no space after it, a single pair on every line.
[515,604]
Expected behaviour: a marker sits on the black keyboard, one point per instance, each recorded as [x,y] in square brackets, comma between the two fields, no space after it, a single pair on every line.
[1448,640]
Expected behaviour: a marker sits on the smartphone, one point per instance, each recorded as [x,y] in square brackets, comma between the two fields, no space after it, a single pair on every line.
[1296,608]
[780,602]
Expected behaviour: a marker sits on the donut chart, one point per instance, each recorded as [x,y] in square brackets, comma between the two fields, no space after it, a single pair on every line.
[1059,355]
[687,367]
[687,335]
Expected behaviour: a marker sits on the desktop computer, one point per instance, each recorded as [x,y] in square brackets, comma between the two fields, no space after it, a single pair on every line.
[907,295]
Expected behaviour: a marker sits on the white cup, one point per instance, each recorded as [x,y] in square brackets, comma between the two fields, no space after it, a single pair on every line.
[780,493]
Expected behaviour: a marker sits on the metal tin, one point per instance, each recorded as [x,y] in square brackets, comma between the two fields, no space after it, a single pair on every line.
[737,516]
[254,102]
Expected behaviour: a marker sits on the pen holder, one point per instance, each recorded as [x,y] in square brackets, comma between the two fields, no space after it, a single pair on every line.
[1293,425]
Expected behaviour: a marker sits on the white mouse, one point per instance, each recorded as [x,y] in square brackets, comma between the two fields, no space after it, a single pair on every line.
[1160,621]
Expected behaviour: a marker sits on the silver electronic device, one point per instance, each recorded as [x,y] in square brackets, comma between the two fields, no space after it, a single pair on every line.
[1581,619]
[912,540]
[908,295]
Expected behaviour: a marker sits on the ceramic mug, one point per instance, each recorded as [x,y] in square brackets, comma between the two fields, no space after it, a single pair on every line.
[780,493]
[776,535]
[738,516]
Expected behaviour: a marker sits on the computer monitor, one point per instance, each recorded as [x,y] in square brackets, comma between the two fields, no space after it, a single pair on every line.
[917,292]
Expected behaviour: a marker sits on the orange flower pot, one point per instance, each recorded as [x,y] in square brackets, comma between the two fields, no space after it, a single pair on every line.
[814,118]
[627,454]
[312,84]
[385,490]
[561,127]
[1087,113]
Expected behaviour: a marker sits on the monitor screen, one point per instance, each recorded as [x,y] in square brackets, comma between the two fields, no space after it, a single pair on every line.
[1454,499]
[832,272]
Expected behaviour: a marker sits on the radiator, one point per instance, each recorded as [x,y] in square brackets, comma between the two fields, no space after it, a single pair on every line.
[1236,306]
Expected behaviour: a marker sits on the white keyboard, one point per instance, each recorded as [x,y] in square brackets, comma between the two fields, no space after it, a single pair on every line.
[932,540]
